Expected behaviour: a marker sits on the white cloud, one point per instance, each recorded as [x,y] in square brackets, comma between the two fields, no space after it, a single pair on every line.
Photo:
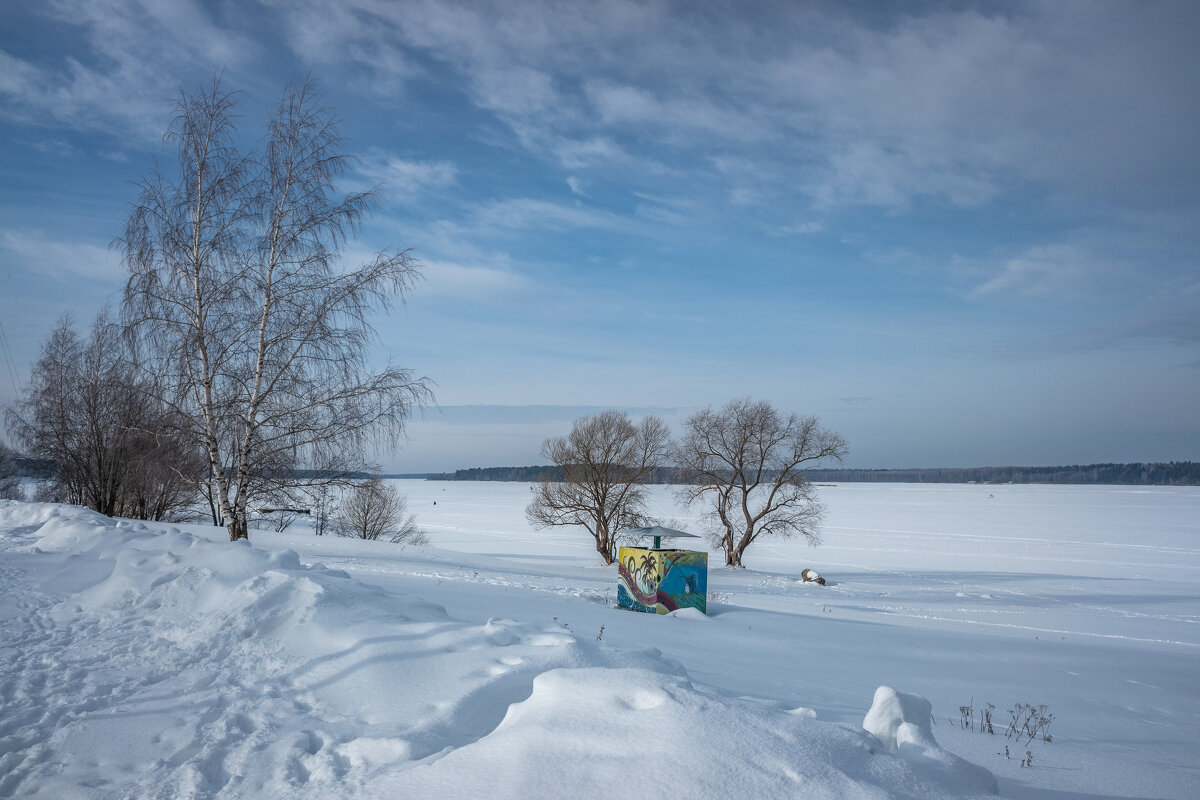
[958,103]
[1060,269]
[524,213]
[137,53]
[334,34]
[595,152]
[516,90]
[804,227]
[660,214]
[404,179]
[746,196]
[449,278]
[634,105]
[17,76]
[667,209]
[578,154]
[872,175]
[61,260]
[878,107]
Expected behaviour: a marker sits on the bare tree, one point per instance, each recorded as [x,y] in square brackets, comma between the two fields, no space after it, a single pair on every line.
[238,294]
[46,421]
[748,460]
[90,414]
[375,510]
[605,461]
[322,502]
[166,472]
[10,478]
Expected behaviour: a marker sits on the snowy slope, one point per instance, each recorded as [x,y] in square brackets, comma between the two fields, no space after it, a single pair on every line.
[143,660]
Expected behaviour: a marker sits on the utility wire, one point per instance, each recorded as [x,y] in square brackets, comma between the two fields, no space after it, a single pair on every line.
[9,362]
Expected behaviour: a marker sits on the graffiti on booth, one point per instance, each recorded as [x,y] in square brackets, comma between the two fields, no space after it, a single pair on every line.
[662,581]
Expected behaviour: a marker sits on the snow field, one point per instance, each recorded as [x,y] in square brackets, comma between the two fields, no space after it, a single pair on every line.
[1083,598]
[144,660]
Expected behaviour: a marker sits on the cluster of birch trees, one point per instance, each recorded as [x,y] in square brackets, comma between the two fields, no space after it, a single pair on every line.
[235,374]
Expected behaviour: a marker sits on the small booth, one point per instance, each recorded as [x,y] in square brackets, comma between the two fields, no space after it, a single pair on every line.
[660,580]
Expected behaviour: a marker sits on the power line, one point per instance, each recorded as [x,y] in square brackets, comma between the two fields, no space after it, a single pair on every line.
[9,362]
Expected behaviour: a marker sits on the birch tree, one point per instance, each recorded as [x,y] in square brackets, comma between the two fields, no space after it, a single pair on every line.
[239,297]
[747,461]
[605,462]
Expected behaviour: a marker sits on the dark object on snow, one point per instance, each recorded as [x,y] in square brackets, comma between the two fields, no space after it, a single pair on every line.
[811,576]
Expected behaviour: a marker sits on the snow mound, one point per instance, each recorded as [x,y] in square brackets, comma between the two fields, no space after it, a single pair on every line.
[902,724]
[899,719]
[138,660]
[677,739]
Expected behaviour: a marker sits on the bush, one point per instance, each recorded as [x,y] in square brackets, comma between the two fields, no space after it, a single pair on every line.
[375,510]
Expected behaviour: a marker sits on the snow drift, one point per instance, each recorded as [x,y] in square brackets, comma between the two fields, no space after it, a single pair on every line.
[140,660]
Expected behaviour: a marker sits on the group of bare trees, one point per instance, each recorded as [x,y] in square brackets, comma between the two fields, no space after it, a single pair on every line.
[743,464]
[94,416]
[237,372]
[10,478]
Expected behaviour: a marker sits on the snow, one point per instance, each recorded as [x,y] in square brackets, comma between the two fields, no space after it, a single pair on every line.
[903,723]
[150,660]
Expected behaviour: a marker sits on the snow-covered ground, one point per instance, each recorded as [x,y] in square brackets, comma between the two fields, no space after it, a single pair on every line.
[161,661]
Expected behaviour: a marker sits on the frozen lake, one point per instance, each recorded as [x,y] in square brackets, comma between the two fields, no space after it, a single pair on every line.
[1083,599]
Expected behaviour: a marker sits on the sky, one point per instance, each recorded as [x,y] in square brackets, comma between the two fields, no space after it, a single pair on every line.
[961,234]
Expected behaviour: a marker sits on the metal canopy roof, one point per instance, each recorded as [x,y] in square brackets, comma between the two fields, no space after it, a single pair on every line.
[659,531]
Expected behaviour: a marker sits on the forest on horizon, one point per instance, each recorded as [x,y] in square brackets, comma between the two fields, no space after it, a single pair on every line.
[1173,473]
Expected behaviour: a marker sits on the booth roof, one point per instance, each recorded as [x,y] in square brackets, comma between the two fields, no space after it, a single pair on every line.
[658,530]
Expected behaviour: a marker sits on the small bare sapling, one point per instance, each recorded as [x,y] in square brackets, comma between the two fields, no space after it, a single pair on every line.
[1027,722]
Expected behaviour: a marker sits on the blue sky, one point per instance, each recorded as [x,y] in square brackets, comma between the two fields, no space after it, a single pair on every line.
[960,233]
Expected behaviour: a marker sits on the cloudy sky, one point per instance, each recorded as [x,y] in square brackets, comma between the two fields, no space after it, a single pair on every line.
[960,233]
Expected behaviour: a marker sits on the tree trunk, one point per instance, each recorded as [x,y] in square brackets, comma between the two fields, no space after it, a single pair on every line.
[733,553]
[238,527]
[603,549]
[212,506]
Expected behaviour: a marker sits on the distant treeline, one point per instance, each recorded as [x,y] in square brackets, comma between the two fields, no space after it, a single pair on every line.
[1175,473]
[548,472]
[521,474]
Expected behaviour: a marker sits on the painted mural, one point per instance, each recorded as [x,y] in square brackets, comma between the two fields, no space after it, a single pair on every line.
[662,581]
